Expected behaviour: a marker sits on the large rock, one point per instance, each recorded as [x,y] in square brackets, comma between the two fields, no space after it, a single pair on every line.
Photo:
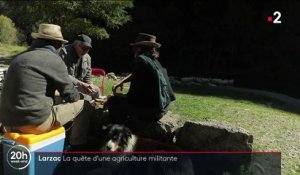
[163,130]
[213,136]
[190,136]
[203,136]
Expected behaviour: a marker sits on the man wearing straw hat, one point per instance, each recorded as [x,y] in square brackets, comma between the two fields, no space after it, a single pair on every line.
[150,92]
[32,78]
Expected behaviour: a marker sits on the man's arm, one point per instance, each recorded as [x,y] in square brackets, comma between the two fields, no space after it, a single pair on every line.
[63,82]
[88,76]
[120,84]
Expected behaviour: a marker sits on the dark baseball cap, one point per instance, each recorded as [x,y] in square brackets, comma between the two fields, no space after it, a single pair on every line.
[86,40]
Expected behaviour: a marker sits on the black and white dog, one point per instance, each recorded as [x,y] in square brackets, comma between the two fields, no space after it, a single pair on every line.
[121,139]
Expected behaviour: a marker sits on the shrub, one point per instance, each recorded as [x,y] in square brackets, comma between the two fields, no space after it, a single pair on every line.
[8,32]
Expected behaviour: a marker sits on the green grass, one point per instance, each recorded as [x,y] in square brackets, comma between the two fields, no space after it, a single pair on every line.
[11,50]
[108,85]
[275,126]
[7,52]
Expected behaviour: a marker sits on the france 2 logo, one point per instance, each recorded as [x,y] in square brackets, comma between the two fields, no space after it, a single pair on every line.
[277,16]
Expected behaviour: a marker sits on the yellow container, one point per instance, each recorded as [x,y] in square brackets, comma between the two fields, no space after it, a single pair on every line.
[22,151]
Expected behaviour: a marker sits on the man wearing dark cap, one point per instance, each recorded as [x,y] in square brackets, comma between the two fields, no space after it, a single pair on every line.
[78,63]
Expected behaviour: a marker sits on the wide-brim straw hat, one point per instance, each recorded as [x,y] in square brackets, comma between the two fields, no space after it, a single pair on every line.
[49,32]
[144,39]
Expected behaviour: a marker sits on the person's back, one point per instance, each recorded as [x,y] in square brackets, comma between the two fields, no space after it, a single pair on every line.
[143,93]
[29,87]
[30,84]
[150,92]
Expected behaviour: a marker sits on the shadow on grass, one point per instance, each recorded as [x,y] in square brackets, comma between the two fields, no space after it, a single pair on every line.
[236,94]
[5,60]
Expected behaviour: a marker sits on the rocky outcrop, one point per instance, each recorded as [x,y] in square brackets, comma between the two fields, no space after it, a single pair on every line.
[213,136]
[201,81]
[191,136]
[208,136]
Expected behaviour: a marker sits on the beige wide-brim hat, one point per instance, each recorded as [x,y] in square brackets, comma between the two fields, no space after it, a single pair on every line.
[50,32]
[144,39]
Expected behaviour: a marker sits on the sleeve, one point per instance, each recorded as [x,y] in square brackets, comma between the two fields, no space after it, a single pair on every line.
[74,80]
[170,89]
[66,59]
[88,75]
[63,82]
[165,74]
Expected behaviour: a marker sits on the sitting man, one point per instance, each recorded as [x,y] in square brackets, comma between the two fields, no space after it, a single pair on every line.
[150,92]
[32,78]
[78,63]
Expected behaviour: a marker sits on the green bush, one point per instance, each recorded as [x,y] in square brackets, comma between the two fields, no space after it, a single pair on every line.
[8,32]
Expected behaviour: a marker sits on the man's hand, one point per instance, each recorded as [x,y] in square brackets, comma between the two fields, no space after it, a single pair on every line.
[56,93]
[100,102]
[116,86]
[2,129]
[120,84]
[87,88]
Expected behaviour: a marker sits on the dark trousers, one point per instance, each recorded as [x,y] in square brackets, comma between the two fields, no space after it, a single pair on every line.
[120,111]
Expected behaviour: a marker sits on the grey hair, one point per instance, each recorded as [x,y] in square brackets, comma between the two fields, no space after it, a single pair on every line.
[150,51]
[155,53]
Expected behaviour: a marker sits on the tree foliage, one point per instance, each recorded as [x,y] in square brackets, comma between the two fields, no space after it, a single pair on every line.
[92,17]
[8,32]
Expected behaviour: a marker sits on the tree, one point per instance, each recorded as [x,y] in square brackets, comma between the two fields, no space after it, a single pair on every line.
[8,32]
[92,17]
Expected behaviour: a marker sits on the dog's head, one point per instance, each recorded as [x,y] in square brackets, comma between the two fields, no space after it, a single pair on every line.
[119,136]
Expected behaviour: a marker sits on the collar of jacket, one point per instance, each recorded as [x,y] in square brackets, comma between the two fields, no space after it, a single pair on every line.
[40,43]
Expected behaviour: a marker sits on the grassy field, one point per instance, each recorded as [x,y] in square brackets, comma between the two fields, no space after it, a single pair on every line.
[9,51]
[274,125]
[108,85]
